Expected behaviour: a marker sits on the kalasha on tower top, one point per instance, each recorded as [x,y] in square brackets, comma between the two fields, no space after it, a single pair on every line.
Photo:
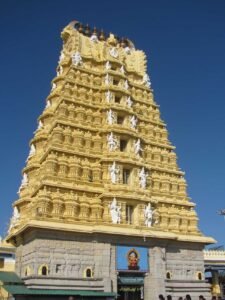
[100,160]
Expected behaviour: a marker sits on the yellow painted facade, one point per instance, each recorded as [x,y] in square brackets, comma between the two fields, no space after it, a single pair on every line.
[7,264]
[102,92]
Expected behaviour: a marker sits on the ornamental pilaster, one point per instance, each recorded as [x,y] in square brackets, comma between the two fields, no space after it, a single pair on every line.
[71,206]
[57,135]
[57,205]
[51,164]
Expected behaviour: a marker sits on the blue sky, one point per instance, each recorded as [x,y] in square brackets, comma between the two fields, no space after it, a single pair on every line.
[185,44]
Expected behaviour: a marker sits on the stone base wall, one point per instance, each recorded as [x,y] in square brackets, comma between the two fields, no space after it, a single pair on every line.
[67,257]
[174,270]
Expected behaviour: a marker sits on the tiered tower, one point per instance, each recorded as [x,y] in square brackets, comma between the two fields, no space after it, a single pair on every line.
[100,166]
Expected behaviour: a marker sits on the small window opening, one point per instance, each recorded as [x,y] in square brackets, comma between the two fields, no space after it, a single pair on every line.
[123,145]
[129,214]
[126,176]
[88,273]
[44,271]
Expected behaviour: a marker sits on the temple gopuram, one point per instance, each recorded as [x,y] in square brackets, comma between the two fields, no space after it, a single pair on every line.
[102,209]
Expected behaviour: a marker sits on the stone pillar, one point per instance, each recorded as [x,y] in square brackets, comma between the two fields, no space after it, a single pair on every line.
[215,283]
[155,280]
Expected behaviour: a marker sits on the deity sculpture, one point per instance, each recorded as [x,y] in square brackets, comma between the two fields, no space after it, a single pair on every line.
[129,102]
[122,70]
[94,38]
[32,150]
[137,147]
[108,96]
[77,59]
[115,212]
[24,181]
[48,104]
[60,71]
[53,86]
[107,79]
[127,50]
[113,52]
[146,80]
[126,85]
[108,66]
[112,142]
[15,218]
[61,58]
[143,178]
[133,122]
[111,117]
[148,214]
[114,172]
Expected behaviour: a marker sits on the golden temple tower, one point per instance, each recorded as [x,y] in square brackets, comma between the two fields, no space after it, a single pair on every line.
[102,172]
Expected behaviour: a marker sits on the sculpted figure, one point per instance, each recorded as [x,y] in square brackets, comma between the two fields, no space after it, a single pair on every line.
[111,118]
[94,38]
[40,125]
[122,70]
[15,219]
[32,150]
[53,86]
[133,122]
[127,50]
[24,180]
[114,172]
[126,85]
[148,214]
[107,79]
[112,142]
[146,80]
[60,71]
[143,178]
[61,58]
[137,147]
[77,59]
[129,102]
[113,52]
[108,66]
[108,96]
[115,212]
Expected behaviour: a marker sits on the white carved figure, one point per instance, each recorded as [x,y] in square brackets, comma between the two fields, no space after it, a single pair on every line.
[109,96]
[61,58]
[48,104]
[94,38]
[107,79]
[126,85]
[15,219]
[53,86]
[108,66]
[114,172]
[112,142]
[111,117]
[133,122]
[143,178]
[129,102]
[40,125]
[77,59]
[60,71]
[24,181]
[122,70]
[146,80]
[113,52]
[127,50]
[115,212]
[137,147]
[148,214]
[32,150]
